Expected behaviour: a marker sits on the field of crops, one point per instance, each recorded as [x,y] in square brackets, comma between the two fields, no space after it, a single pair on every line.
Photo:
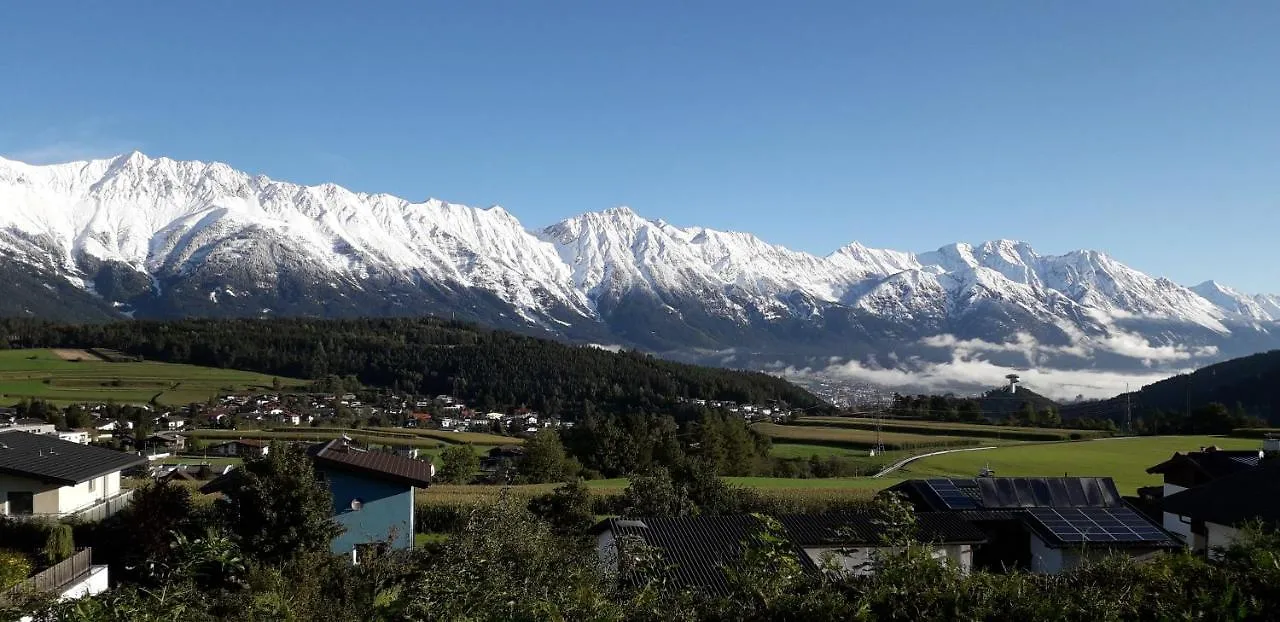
[806,492]
[1124,459]
[802,450]
[857,439]
[67,377]
[976,430]
[475,438]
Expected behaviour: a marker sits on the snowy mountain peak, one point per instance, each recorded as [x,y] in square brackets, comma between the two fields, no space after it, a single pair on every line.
[156,233]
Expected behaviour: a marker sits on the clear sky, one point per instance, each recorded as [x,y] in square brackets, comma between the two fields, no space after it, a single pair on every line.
[1148,129]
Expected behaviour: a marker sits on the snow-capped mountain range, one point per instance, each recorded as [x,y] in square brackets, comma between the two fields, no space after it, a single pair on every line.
[145,237]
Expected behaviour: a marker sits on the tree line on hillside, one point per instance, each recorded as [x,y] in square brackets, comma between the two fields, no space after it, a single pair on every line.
[489,369]
[622,446]
[1213,418]
[261,553]
[1250,386]
[997,407]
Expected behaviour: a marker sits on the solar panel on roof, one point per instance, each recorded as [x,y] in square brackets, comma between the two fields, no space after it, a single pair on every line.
[1097,524]
[951,495]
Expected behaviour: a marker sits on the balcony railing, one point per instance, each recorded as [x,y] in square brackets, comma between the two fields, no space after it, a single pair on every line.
[56,577]
[101,510]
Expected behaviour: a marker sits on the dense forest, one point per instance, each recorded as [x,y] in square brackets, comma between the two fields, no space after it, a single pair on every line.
[489,369]
[1248,386]
[998,406]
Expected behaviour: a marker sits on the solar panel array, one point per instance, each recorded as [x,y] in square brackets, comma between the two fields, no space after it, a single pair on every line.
[1111,524]
[1028,492]
[951,495]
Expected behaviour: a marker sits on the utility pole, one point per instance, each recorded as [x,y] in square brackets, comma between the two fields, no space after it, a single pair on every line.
[1128,411]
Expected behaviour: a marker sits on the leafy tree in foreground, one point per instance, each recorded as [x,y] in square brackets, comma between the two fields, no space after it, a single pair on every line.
[276,507]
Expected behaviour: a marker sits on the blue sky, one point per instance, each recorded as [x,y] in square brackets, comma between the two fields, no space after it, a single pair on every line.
[1148,129]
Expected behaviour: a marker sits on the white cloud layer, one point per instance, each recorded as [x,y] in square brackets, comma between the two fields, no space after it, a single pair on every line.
[970,368]
[967,375]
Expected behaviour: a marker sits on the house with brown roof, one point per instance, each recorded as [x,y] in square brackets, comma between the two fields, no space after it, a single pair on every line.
[240,447]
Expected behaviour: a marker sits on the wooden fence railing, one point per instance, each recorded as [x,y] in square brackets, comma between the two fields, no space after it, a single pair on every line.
[56,577]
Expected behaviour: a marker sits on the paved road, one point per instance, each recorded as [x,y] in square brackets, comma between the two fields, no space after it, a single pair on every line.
[904,462]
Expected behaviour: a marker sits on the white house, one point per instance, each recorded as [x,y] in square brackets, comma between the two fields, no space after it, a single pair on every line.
[74,436]
[34,426]
[1216,511]
[1189,470]
[42,475]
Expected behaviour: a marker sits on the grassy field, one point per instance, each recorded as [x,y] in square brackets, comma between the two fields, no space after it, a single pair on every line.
[857,439]
[954,429]
[43,374]
[1124,459]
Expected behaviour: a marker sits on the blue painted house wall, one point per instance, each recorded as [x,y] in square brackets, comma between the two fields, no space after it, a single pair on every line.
[386,510]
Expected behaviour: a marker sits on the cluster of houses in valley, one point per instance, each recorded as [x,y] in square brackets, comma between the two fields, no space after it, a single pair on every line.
[750,412]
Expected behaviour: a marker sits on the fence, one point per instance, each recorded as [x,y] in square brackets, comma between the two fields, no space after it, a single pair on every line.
[56,577]
[99,511]
[107,508]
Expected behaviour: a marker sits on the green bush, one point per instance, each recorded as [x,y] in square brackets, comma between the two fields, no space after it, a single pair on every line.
[59,544]
[14,568]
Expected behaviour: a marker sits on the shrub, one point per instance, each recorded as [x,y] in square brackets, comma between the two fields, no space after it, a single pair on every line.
[14,568]
[59,544]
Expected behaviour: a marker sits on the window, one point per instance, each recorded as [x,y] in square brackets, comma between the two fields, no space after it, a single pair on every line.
[93,485]
[22,503]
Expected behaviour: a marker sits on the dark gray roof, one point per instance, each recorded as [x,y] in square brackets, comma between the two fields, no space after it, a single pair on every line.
[1213,463]
[1233,500]
[51,459]
[850,528]
[1063,511]
[694,551]
[1007,493]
